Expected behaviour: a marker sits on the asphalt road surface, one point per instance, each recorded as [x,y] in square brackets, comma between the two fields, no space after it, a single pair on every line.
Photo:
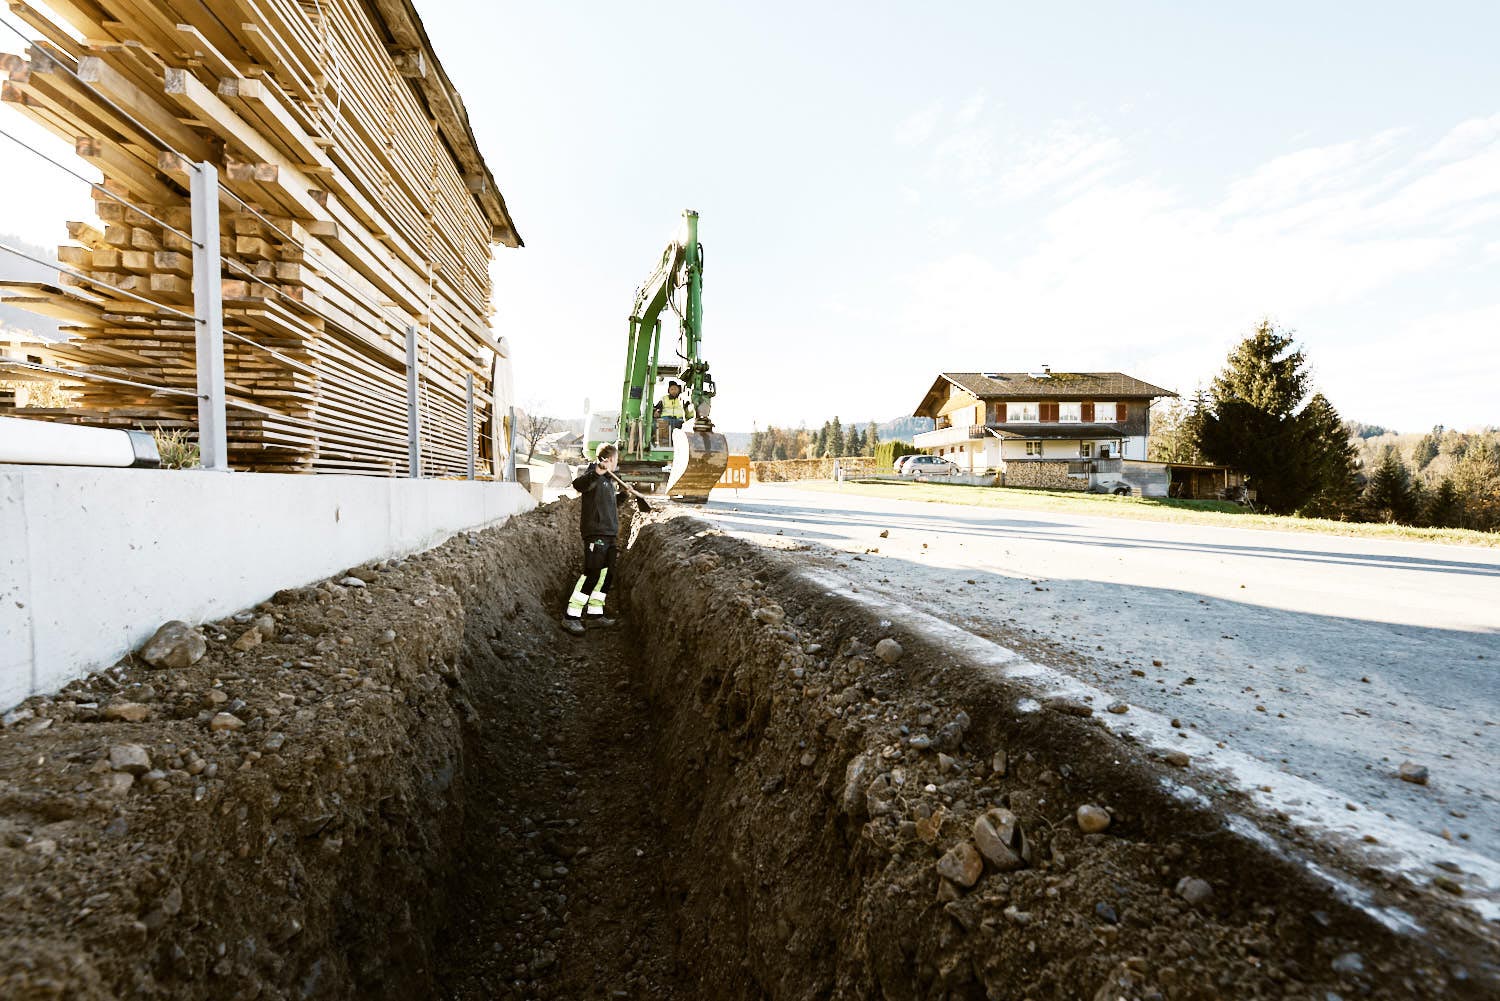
[1327,658]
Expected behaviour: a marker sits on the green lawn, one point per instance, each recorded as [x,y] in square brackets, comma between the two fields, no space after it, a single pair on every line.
[1221,513]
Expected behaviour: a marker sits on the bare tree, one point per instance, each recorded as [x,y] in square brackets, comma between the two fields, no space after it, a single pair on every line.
[535,427]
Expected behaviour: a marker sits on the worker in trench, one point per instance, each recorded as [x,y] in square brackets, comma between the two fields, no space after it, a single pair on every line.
[599,521]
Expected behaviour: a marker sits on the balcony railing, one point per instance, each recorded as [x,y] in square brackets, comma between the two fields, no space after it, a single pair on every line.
[948,436]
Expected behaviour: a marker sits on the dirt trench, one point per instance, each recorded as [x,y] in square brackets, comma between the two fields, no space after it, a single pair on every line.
[739,792]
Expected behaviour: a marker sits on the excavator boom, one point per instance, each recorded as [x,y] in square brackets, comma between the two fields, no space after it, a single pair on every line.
[684,462]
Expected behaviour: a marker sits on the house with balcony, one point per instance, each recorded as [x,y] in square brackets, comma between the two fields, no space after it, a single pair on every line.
[988,420]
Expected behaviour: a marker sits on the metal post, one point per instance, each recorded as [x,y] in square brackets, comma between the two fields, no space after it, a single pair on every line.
[208,310]
[510,445]
[469,407]
[413,416]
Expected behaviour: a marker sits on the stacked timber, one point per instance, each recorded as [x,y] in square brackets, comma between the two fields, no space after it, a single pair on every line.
[356,204]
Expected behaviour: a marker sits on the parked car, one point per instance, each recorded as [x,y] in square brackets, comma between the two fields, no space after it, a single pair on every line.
[929,465]
[902,460]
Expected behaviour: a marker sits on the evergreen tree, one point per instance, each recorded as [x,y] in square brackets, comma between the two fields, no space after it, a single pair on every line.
[854,444]
[779,452]
[1445,508]
[872,438]
[1390,496]
[1427,448]
[757,441]
[834,446]
[1332,461]
[1476,475]
[1252,421]
[820,442]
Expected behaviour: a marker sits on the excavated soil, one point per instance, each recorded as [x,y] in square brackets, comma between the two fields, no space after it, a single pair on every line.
[739,792]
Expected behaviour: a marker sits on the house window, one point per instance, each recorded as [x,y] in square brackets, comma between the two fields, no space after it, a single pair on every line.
[1070,413]
[1086,449]
[1025,413]
[1034,448]
[1105,413]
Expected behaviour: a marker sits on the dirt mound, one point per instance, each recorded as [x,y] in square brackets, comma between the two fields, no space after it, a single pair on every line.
[857,813]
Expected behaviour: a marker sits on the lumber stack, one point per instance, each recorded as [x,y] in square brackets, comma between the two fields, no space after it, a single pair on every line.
[363,206]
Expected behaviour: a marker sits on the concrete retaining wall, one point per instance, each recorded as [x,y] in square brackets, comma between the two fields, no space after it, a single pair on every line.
[96,559]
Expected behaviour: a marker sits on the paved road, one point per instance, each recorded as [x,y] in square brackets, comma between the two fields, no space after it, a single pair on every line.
[1333,659]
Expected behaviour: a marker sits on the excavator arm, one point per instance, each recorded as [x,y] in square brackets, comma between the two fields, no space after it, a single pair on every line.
[697,455]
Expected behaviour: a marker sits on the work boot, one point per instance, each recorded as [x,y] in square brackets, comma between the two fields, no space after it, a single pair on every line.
[574,626]
[602,621]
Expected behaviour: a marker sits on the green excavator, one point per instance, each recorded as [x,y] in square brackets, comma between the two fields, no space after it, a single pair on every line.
[685,462]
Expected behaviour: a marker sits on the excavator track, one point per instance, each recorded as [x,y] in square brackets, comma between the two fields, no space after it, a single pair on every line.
[699,459]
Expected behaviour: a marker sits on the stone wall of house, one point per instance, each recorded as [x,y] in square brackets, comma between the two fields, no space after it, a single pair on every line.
[1043,475]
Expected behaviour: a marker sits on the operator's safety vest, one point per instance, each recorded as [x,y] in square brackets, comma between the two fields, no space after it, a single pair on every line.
[673,408]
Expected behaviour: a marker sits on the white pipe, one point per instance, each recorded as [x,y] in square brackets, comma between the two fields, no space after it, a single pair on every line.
[47,443]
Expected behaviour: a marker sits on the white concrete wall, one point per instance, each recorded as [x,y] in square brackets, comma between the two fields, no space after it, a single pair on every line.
[94,560]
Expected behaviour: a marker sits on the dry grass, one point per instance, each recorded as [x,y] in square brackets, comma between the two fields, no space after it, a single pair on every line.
[1219,513]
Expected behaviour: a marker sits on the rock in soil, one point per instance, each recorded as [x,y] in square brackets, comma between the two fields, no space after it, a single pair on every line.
[132,758]
[961,865]
[175,645]
[1092,819]
[1194,890]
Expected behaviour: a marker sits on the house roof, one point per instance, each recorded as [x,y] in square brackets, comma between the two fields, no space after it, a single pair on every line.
[1022,386]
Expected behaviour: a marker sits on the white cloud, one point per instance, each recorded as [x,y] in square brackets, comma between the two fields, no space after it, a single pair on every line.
[919,127]
[1134,274]
[989,164]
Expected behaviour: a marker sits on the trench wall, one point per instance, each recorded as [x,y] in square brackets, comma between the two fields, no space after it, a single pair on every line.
[308,852]
[825,798]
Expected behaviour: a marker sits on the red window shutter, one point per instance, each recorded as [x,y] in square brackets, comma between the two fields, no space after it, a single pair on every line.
[1086,413]
[1049,413]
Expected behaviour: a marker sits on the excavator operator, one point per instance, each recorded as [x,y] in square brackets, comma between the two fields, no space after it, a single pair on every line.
[674,408]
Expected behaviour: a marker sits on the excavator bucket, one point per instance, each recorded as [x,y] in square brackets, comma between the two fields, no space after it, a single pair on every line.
[699,458]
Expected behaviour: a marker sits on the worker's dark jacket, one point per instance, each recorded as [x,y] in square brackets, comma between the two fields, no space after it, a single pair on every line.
[601,513]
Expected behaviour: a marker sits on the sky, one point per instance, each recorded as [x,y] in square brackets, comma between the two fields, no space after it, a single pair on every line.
[889,190]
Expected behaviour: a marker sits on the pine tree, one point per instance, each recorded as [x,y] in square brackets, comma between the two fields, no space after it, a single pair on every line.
[854,443]
[1445,508]
[1427,448]
[1332,461]
[1251,421]
[779,452]
[834,446]
[872,438]
[820,442]
[757,441]
[1390,496]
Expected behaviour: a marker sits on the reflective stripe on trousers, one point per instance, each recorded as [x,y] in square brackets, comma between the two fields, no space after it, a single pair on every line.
[576,601]
[596,600]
